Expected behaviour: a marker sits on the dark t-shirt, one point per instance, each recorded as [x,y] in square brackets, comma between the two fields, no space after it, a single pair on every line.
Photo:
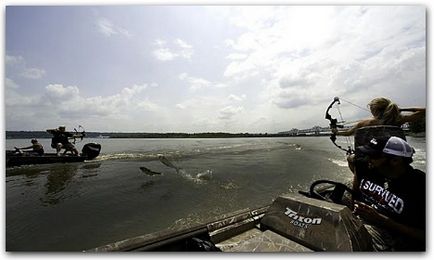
[38,148]
[60,137]
[402,199]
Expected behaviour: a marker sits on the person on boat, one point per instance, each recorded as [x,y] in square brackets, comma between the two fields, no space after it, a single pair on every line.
[393,209]
[36,148]
[61,141]
[385,112]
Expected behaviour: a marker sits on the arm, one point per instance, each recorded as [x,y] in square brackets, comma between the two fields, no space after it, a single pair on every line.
[52,131]
[412,109]
[350,160]
[24,148]
[370,214]
[74,135]
[418,114]
[353,129]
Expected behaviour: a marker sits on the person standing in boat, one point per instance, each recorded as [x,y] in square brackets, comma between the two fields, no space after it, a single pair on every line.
[37,148]
[61,141]
[385,112]
[394,209]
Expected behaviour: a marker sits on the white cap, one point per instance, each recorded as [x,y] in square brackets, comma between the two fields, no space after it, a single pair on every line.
[399,147]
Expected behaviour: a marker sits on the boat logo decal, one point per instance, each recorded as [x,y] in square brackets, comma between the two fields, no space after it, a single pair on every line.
[301,221]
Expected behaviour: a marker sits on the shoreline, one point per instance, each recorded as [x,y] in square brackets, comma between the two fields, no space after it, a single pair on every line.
[111,135]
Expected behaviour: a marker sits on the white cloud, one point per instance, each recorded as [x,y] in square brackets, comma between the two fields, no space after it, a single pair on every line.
[149,106]
[107,28]
[10,84]
[233,97]
[33,73]
[164,54]
[307,55]
[16,66]
[195,83]
[183,45]
[13,60]
[200,104]
[67,102]
[58,93]
[229,112]
[236,56]
[179,49]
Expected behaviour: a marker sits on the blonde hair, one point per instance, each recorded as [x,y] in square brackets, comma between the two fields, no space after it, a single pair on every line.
[385,110]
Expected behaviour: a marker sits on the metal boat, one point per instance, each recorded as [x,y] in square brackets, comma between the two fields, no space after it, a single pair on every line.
[292,223]
[89,151]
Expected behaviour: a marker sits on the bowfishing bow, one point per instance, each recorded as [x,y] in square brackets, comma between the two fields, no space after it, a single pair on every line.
[79,134]
[334,125]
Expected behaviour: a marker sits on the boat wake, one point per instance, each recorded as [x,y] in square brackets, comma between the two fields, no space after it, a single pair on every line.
[198,177]
[227,149]
[340,163]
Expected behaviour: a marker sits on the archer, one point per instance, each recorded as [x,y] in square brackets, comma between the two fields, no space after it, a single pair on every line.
[385,112]
[61,141]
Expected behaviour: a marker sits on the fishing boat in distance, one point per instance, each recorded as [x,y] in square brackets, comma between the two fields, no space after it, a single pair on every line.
[89,151]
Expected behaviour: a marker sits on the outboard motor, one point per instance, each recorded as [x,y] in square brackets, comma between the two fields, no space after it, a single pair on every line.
[91,150]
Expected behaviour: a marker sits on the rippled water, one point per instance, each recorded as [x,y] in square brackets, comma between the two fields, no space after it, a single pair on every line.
[79,206]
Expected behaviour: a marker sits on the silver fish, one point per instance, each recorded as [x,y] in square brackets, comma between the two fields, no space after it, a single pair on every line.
[148,171]
[166,162]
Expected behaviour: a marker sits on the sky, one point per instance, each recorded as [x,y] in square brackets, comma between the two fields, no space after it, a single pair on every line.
[192,68]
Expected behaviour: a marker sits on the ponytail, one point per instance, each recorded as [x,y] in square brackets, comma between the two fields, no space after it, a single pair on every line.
[391,115]
[386,111]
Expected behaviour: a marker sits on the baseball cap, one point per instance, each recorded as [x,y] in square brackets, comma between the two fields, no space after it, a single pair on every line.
[393,146]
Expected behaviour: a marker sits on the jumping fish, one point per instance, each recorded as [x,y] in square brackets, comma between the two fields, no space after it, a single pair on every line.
[148,171]
[166,162]
[206,175]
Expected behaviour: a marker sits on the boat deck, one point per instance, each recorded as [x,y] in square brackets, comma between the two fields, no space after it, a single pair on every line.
[292,223]
[255,240]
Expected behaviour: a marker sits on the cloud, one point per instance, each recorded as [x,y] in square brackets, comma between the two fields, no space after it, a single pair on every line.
[307,55]
[33,73]
[16,66]
[107,28]
[164,54]
[196,83]
[229,112]
[179,49]
[67,102]
[10,84]
[57,93]
[233,97]
[14,60]
[200,103]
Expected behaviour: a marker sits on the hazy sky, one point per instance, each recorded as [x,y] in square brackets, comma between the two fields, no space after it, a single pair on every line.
[207,68]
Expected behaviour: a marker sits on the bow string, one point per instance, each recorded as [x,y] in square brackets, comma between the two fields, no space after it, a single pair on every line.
[335,124]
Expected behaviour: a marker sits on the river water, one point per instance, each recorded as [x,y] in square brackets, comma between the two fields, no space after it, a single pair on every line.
[79,206]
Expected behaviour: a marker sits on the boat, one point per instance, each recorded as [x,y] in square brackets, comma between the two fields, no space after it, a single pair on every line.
[292,223]
[89,151]
[320,219]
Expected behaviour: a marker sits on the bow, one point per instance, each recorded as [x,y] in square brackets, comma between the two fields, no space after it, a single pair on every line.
[78,134]
[334,126]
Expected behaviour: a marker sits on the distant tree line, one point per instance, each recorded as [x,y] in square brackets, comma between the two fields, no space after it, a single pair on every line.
[416,127]
[43,134]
